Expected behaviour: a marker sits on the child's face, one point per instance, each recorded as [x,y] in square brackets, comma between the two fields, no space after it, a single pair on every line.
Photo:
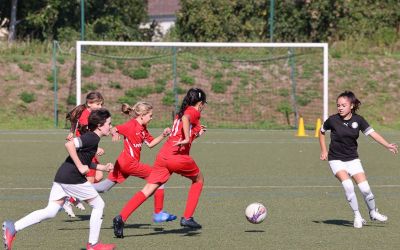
[147,117]
[105,129]
[344,106]
[95,105]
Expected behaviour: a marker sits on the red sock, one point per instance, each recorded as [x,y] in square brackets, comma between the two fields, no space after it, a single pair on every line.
[193,199]
[158,200]
[132,205]
[72,199]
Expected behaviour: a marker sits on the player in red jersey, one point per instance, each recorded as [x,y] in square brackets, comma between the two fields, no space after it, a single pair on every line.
[128,163]
[174,158]
[79,122]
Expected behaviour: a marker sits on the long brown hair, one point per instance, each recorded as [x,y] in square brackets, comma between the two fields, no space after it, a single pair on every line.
[75,113]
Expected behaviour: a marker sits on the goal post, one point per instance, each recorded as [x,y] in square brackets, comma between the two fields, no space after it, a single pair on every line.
[80,45]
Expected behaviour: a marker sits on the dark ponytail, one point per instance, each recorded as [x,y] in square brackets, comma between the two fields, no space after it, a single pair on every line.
[352,98]
[193,96]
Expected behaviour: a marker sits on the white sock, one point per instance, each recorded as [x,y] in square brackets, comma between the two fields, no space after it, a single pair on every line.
[96,218]
[368,195]
[351,195]
[37,216]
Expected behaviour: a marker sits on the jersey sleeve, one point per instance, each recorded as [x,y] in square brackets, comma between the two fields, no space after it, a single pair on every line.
[365,127]
[326,126]
[123,129]
[194,116]
[84,141]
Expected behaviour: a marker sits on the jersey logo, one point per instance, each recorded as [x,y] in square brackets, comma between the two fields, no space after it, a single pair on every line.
[354,125]
[346,124]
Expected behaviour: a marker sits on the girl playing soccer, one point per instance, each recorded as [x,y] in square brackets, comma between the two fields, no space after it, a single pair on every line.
[174,158]
[343,157]
[128,163]
[70,180]
[79,122]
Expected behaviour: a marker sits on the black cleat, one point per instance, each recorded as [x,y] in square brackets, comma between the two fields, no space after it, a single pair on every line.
[189,223]
[118,225]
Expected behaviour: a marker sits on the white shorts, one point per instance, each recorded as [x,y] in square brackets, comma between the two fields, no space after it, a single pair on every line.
[83,192]
[351,167]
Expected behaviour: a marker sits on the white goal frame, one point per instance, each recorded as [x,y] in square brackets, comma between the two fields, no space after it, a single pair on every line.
[323,46]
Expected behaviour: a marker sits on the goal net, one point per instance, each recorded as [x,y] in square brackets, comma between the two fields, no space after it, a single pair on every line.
[248,85]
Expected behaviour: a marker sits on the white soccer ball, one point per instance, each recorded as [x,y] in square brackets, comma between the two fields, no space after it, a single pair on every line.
[256,213]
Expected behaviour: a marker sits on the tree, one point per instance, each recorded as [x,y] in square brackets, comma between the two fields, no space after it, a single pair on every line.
[13,21]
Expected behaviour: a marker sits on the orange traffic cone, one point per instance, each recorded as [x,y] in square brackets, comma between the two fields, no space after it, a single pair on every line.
[301,131]
[317,128]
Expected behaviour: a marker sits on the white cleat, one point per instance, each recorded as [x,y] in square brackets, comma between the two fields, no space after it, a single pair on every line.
[375,215]
[359,222]
[68,209]
[79,205]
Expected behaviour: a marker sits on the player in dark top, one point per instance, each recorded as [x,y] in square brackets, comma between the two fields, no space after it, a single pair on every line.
[343,157]
[70,180]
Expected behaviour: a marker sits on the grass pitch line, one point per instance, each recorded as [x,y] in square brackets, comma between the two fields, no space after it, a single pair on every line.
[216,187]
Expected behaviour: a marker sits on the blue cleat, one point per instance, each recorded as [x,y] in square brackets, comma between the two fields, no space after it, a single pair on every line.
[163,217]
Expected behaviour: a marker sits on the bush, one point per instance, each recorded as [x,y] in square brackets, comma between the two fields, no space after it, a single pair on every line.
[25,67]
[188,80]
[87,70]
[27,97]
[71,100]
[86,88]
[168,99]
[114,85]
[139,73]
[218,87]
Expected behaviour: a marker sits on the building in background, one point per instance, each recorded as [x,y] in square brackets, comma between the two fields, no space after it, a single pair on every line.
[163,14]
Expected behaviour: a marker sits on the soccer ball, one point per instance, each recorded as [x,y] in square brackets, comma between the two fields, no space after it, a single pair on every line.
[256,213]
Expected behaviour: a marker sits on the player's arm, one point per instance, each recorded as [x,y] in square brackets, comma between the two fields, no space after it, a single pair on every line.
[71,148]
[392,147]
[324,153]
[186,128]
[159,138]
[108,167]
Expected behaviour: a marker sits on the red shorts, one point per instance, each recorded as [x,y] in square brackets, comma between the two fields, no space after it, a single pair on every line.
[126,166]
[164,166]
[92,172]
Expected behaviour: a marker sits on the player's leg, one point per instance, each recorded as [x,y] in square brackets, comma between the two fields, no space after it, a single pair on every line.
[143,171]
[188,168]
[55,202]
[131,206]
[86,192]
[369,198]
[341,173]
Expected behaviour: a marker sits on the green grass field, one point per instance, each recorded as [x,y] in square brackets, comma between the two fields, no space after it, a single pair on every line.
[306,204]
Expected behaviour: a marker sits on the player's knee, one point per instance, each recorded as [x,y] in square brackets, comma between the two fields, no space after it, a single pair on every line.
[365,189]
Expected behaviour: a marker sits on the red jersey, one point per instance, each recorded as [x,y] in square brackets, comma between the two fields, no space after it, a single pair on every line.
[177,133]
[134,135]
[82,121]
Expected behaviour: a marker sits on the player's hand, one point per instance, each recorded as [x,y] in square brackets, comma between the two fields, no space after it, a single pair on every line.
[109,167]
[166,132]
[70,136]
[202,130]
[100,151]
[392,147]
[181,142]
[116,137]
[323,156]
[83,169]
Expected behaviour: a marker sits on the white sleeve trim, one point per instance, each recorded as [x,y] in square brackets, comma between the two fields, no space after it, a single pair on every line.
[368,131]
[77,142]
[322,129]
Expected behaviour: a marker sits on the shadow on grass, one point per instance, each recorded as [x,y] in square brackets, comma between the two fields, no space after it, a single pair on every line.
[254,231]
[347,223]
[159,231]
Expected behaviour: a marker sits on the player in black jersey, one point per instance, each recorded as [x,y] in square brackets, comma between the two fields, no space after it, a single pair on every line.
[343,157]
[70,181]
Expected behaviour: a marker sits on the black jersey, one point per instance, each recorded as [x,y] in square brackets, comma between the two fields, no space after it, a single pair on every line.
[344,135]
[86,149]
